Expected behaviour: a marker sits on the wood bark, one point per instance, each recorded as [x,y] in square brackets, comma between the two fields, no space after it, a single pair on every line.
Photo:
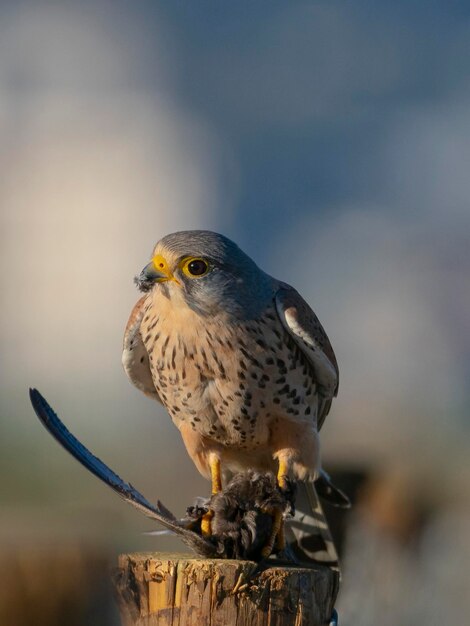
[159,589]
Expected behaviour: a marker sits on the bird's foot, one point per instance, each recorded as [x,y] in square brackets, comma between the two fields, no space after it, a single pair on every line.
[206,526]
[194,517]
[277,533]
[196,511]
[280,537]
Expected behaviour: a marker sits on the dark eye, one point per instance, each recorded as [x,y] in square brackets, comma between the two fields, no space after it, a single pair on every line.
[197,267]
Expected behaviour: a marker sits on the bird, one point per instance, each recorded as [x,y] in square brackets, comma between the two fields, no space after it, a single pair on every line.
[239,360]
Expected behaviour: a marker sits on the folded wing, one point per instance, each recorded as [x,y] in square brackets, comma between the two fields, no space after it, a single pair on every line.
[135,358]
[305,329]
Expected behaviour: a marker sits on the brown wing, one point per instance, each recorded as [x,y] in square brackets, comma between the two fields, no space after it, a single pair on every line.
[305,329]
[135,358]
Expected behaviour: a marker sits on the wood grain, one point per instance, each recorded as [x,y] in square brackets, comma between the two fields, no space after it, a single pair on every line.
[159,589]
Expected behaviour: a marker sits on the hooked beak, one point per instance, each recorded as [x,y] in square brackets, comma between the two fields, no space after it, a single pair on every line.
[157,271]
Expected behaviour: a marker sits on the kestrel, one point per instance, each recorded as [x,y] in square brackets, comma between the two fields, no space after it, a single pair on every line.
[237,357]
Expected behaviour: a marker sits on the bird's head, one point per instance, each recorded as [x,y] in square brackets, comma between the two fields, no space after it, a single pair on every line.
[209,272]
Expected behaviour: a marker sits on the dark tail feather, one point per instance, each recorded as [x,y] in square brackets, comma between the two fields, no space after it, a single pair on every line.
[129,493]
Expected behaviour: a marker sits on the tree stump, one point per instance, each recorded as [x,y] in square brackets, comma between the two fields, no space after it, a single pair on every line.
[159,589]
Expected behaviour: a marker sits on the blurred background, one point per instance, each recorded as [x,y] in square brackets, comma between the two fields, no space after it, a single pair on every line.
[331,140]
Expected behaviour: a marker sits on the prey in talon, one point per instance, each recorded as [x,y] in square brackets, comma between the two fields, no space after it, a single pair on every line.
[241,363]
[243,515]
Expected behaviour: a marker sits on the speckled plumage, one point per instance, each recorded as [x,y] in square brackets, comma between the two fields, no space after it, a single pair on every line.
[234,385]
[238,358]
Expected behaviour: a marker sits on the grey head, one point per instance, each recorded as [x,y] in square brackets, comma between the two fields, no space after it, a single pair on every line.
[210,272]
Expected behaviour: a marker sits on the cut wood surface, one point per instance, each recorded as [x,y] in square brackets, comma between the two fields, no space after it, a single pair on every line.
[178,590]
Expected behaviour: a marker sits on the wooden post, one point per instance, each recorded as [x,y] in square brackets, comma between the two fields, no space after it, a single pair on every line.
[159,589]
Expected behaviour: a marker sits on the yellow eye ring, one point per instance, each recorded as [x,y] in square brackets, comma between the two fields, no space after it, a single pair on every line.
[194,267]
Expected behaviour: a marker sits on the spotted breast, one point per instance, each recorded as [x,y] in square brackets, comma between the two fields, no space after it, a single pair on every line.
[234,383]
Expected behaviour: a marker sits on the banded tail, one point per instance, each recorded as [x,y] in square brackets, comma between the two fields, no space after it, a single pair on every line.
[309,535]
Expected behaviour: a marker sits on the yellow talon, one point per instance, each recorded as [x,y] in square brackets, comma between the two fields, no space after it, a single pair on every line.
[206,529]
[214,464]
[276,528]
[277,536]
[282,474]
[216,479]
[281,537]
